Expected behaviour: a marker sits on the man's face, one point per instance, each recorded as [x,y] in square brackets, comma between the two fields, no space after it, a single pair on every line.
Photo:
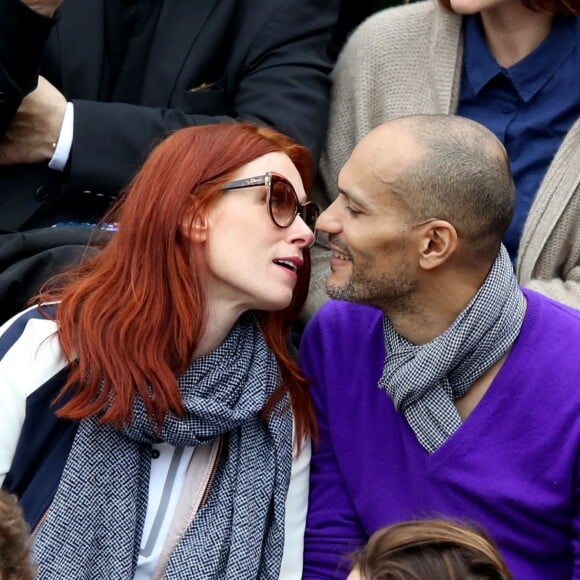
[370,230]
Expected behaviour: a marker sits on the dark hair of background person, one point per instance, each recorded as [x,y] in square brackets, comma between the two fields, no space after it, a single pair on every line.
[561,6]
[132,316]
[431,550]
[14,541]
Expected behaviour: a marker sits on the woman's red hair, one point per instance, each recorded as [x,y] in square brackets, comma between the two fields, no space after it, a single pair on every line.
[129,319]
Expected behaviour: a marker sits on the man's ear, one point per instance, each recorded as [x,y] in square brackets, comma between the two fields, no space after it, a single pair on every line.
[438,243]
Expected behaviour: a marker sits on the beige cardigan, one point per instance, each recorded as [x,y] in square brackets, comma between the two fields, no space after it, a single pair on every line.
[407,60]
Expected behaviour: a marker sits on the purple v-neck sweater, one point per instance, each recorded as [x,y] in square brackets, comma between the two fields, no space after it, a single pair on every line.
[512,467]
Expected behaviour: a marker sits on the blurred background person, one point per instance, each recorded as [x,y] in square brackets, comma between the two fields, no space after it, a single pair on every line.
[350,15]
[14,541]
[429,550]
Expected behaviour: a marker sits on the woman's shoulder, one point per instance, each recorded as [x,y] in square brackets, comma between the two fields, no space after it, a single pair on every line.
[30,351]
[397,43]
[30,357]
[405,14]
[32,326]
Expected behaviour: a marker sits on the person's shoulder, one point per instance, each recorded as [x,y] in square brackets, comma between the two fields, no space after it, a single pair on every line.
[394,39]
[552,314]
[547,365]
[404,13]
[551,329]
[343,310]
[396,22]
[32,326]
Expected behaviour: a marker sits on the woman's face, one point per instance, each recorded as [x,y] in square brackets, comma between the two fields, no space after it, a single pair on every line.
[252,263]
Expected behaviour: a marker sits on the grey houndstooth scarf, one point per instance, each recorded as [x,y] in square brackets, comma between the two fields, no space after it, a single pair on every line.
[94,525]
[423,381]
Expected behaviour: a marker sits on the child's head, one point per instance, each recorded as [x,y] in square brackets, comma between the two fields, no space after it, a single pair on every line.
[14,541]
[429,550]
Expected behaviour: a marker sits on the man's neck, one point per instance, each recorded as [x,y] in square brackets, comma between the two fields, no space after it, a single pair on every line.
[513,31]
[434,310]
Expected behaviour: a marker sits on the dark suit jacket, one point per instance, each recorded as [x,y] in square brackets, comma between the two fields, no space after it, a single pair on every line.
[210,61]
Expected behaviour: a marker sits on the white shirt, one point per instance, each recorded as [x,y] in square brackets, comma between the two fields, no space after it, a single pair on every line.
[166,481]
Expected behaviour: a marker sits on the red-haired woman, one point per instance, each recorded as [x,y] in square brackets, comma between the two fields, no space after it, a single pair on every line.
[171,450]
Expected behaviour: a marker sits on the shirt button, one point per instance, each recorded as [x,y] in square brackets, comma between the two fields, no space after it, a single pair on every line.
[155,453]
[42,193]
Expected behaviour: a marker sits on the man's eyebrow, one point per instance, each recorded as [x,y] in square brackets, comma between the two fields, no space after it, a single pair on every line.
[353,198]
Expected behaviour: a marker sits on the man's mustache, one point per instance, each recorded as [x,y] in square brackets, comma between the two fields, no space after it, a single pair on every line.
[338,244]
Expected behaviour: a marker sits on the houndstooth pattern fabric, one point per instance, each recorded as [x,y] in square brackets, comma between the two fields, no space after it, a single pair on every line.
[94,525]
[423,381]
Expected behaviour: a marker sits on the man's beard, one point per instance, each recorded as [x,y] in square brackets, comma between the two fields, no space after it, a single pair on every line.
[385,290]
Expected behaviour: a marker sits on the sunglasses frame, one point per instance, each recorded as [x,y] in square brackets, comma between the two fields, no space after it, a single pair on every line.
[267,180]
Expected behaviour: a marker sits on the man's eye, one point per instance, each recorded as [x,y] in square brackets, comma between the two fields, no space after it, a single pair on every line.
[351,210]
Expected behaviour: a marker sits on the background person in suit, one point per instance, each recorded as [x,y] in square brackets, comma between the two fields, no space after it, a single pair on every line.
[134,71]
[87,88]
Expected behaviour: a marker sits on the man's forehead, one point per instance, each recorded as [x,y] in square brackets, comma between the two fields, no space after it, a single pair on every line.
[389,149]
[357,180]
[377,161]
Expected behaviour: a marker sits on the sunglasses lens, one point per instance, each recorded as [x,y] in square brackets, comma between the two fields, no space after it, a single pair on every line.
[310,213]
[282,201]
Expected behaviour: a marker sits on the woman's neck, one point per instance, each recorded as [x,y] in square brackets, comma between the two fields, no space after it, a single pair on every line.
[220,322]
[513,31]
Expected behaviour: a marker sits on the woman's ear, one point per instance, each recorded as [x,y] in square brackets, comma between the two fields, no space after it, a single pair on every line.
[199,231]
[195,228]
[437,243]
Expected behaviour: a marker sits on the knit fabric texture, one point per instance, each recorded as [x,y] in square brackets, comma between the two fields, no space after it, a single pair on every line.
[424,380]
[94,525]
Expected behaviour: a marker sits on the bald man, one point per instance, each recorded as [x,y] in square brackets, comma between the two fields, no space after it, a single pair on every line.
[441,388]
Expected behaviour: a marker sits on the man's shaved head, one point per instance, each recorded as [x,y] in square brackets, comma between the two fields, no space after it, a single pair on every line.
[457,171]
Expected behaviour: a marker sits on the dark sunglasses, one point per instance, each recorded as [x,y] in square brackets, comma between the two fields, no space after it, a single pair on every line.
[281,199]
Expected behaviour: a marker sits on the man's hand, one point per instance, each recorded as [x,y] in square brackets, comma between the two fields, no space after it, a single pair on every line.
[43,7]
[35,128]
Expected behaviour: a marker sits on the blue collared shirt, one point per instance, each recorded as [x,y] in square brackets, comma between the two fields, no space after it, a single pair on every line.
[530,106]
